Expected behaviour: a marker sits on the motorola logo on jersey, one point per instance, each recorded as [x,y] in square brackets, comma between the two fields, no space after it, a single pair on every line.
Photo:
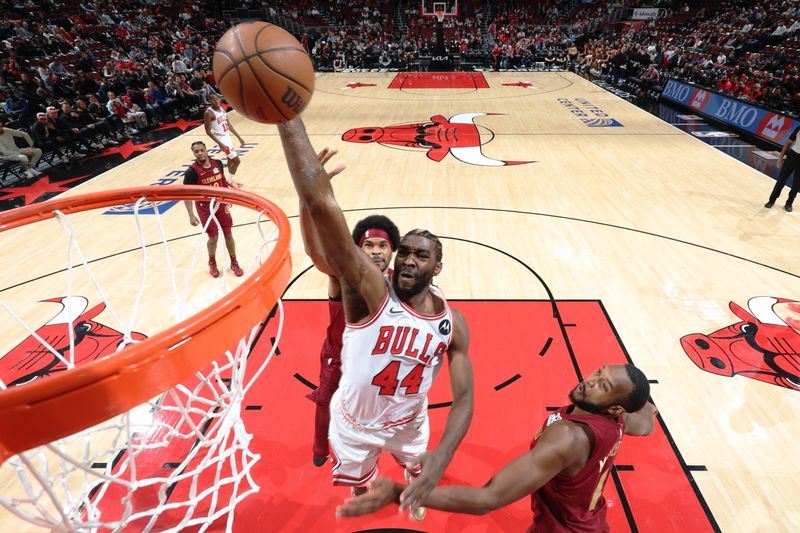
[458,136]
[444,327]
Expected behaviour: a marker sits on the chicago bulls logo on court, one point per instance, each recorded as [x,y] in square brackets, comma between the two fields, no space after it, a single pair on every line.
[458,136]
[31,360]
[761,346]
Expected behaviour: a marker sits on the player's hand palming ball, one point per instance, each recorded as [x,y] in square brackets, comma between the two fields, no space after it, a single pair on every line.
[263,72]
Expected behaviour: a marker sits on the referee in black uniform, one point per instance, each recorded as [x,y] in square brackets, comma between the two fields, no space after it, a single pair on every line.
[791,150]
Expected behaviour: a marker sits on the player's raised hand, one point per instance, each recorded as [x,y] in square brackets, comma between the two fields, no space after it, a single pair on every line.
[237,184]
[193,220]
[324,156]
[433,466]
[381,493]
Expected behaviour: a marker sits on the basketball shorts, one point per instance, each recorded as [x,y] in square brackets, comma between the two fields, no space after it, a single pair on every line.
[222,214]
[226,145]
[355,452]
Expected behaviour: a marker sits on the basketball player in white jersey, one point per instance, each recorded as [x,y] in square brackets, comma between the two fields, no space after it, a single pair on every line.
[396,336]
[218,128]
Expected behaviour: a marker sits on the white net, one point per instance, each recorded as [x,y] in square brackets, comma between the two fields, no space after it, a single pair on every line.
[114,476]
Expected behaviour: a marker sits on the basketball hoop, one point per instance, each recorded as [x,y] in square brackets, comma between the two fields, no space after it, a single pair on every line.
[78,440]
[439,14]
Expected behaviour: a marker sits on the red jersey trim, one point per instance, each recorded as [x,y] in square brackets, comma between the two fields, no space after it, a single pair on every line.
[373,317]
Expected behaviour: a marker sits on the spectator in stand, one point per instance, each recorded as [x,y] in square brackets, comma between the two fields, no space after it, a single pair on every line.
[27,158]
[17,107]
[160,98]
[79,139]
[90,120]
[97,130]
[179,67]
[200,87]
[173,89]
[125,113]
[46,137]
[58,69]
[187,90]
[138,102]
[99,110]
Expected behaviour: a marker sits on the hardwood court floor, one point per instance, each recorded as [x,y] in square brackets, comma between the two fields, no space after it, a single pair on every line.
[620,236]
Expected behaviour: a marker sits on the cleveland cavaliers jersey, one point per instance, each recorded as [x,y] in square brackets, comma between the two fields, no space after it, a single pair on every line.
[219,126]
[390,360]
[200,175]
[569,504]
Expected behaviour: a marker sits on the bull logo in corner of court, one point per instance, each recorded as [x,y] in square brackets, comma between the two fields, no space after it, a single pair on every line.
[31,360]
[458,136]
[762,346]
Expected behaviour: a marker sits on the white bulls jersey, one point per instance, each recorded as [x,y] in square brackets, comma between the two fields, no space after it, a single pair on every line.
[389,362]
[219,126]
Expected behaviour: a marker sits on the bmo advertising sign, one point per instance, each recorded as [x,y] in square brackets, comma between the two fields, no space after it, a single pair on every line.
[768,125]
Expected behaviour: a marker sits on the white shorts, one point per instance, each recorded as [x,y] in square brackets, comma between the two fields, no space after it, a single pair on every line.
[355,452]
[226,145]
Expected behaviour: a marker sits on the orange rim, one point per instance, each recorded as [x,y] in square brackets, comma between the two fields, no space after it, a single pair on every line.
[69,402]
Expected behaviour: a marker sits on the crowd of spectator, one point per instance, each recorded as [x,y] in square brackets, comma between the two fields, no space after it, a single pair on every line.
[745,49]
[74,80]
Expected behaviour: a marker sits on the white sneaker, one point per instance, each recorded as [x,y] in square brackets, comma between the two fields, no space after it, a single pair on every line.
[29,173]
[78,155]
[110,142]
[97,146]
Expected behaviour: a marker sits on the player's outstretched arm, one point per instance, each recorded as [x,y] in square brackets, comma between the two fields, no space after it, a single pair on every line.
[559,447]
[458,420]
[323,225]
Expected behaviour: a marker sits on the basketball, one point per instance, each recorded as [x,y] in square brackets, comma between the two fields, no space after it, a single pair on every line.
[263,72]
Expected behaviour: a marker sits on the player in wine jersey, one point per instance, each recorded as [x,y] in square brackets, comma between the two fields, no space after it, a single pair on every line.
[219,129]
[396,337]
[567,466]
[378,237]
[207,171]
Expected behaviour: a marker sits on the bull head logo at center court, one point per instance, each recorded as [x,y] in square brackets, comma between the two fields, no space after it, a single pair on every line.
[458,136]
[762,346]
[31,360]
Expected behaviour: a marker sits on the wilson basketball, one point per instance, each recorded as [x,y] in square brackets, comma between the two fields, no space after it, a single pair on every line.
[263,72]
